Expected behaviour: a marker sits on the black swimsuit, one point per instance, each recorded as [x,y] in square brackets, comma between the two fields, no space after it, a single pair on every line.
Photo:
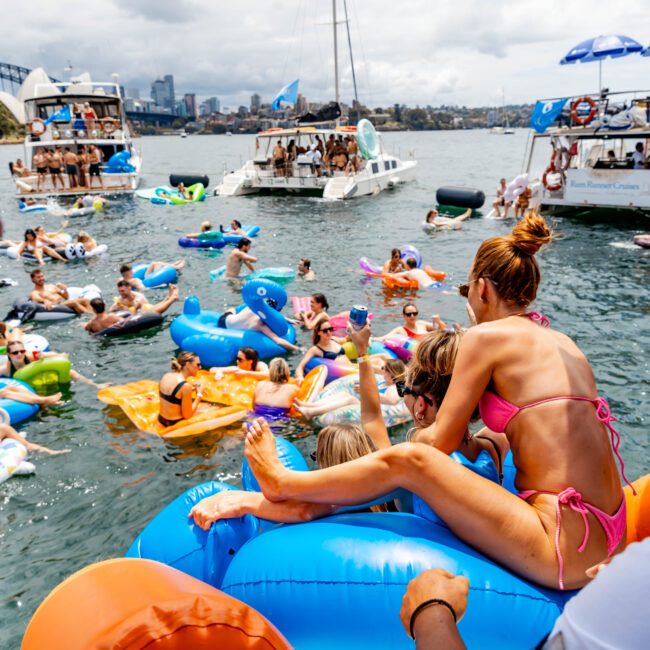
[172,399]
[331,355]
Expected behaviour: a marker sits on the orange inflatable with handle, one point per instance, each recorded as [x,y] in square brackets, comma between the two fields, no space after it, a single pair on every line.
[638,509]
[392,282]
[133,604]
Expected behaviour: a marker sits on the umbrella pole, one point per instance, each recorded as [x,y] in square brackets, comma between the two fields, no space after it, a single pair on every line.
[600,75]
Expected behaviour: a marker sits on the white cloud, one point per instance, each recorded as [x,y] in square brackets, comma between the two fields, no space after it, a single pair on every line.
[412,51]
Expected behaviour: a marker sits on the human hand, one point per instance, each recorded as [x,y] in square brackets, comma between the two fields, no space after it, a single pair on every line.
[224,505]
[360,338]
[434,583]
[57,452]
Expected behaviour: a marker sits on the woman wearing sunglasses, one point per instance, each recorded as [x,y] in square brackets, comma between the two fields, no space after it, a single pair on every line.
[324,346]
[534,385]
[395,263]
[248,363]
[413,327]
[18,357]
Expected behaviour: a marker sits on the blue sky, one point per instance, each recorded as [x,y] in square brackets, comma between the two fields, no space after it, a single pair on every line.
[408,51]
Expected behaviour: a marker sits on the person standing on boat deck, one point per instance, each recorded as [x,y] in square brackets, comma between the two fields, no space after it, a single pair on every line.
[71,169]
[292,154]
[314,156]
[40,163]
[238,257]
[83,166]
[94,158]
[638,157]
[329,148]
[279,159]
[320,146]
[501,201]
[54,163]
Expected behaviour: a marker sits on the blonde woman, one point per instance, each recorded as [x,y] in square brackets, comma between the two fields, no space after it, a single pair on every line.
[176,401]
[531,383]
[273,397]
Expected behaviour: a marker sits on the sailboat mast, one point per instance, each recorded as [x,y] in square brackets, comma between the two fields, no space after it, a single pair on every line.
[336,54]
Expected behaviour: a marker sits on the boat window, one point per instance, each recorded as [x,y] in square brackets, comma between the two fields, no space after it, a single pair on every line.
[393,164]
[375,168]
[386,165]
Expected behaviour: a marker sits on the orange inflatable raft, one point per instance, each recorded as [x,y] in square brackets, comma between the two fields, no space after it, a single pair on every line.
[133,604]
[638,510]
[391,281]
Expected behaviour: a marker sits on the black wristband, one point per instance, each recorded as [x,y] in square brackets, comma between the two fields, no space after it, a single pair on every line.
[424,605]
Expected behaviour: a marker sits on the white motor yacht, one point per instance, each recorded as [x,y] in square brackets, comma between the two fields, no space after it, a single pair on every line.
[73,115]
[598,157]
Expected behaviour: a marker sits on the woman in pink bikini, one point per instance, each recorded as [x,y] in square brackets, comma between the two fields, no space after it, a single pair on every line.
[531,383]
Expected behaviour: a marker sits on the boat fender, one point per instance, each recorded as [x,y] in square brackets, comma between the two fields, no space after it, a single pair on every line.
[460,197]
[189,179]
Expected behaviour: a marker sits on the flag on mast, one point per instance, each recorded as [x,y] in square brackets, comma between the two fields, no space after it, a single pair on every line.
[288,95]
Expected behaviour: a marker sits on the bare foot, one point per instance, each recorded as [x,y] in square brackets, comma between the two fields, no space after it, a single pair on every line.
[52,399]
[262,455]
[304,408]
[179,264]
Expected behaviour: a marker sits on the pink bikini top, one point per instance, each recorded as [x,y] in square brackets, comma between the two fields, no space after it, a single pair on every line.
[497,412]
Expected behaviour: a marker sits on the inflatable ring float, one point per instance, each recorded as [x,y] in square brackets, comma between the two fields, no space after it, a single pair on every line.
[552,187]
[368,140]
[46,372]
[11,411]
[37,127]
[109,125]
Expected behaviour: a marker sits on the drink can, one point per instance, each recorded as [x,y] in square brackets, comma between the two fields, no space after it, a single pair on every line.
[358,316]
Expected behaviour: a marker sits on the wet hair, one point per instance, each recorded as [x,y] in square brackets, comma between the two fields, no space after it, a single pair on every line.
[432,363]
[279,372]
[125,267]
[237,223]
[306,263]
[320,298]
[34,273]
[83,236]
[411,263]
[251,355]
[395,368]
[244,241]
[315,336]
[509,261]
[29,231]
[430,214]
[123,283]
[182,360]
[395,251]
[98,305]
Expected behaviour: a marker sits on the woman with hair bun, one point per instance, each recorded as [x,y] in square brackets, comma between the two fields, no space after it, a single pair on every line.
[533,384]
[176,401]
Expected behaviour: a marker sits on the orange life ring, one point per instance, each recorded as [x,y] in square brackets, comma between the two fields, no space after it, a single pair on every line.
[583,120]
[37,127]
[109,125]
[551,170]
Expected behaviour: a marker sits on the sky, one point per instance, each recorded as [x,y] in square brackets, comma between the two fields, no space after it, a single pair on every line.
[413,52]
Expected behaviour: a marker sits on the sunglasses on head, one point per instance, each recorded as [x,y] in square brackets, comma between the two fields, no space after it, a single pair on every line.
[326,330]
[403,390]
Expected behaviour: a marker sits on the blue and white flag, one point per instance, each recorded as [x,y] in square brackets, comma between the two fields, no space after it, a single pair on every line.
[288,95]
[62,115]
[545,113]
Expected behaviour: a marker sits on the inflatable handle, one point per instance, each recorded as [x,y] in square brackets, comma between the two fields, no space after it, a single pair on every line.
[409,251]
[369,267]
[255,294]
[192,306]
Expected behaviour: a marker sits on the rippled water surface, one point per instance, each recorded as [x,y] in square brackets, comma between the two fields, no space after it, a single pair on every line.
[90,504]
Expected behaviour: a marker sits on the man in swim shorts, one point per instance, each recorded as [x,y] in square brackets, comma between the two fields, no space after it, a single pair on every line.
[132,301]
[50,295]
[238,257]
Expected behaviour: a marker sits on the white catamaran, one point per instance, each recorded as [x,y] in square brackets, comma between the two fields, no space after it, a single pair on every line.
[363,166]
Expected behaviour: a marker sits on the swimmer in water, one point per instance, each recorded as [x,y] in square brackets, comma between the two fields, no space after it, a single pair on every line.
[446,223]
[238,257]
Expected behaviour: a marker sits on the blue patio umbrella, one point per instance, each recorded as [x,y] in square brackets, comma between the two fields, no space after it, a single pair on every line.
[598,48]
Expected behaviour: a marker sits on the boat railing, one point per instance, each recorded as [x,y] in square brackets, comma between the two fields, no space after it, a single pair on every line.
[75,129]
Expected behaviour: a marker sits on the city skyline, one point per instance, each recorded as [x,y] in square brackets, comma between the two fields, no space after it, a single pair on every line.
[460,53]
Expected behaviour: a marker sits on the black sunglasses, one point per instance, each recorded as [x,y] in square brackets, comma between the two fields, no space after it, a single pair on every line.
[242,359]
[17,351]
[325,330]
[403,389]
[463,289]
[411,313]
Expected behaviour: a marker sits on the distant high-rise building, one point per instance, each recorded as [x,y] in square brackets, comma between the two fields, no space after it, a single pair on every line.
[256,102]
[491,118]
[133,93]
[162,92]
[301,104]
[189,99]
[242,111]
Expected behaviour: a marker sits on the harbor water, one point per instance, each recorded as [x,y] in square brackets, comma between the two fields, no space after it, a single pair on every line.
[88,505]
